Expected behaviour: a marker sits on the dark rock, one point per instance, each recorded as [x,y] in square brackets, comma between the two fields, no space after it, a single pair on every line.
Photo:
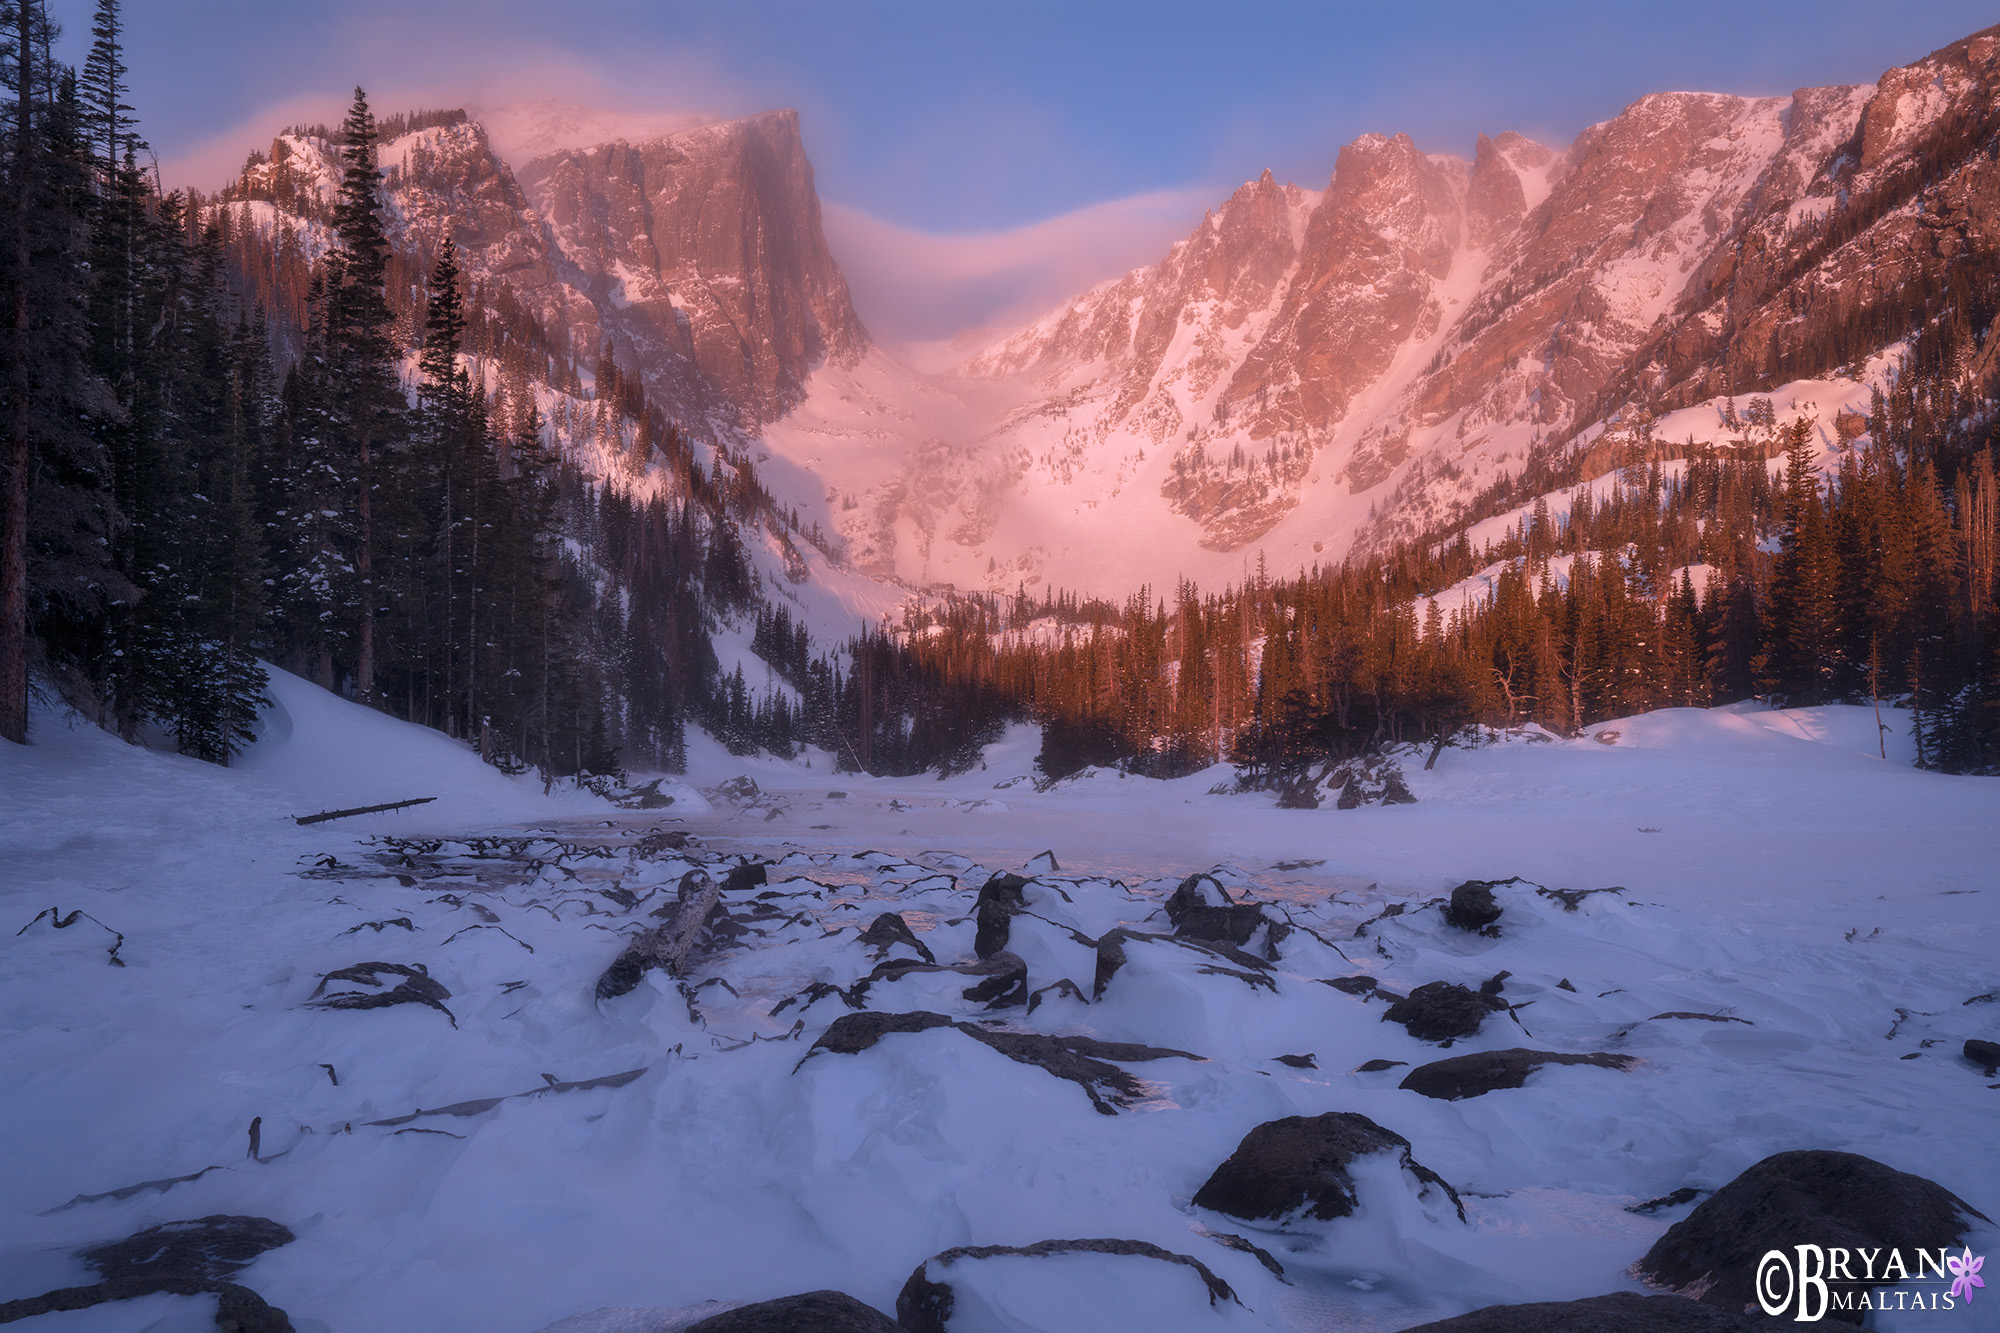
[1081,1060]
[1441,1011]
[1196,891]
[742,789]
[1472,906]
[1363,985]
[205,1250]
[1201,909]
[890,928]
[1619,1312]
[1494,984]
[178,1259]
[1564,985]
[1800,1198]
[417,987]
[743,877]
[647,797]
[1985,1054]
[1043,863]
[1061,986]
[1705,1018]
[1396,791]
[1350,795]
[999,899]
[1111,957]
[1298,796]
[1301,1162]
[670,840]
[851,1034]
[1232,925]
[1571,899]
[812,1312]
[1246,968]
[1084,1061]
[924,1306]
[1685,1194]
[1377,1066]
[1003,984]
[1475,1075]
[1305,1061]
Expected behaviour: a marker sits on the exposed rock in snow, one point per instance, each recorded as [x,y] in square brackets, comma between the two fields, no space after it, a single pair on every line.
[1472,906]
[812,1312]
[1475,1075]
[1802,1198]
[1619,1312]
[1442,1011]
[1299,1167]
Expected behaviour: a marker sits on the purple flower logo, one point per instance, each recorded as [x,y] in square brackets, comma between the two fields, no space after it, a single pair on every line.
[1965,1274]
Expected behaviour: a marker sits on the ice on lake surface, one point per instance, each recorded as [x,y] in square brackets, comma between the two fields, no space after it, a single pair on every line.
[517,1153]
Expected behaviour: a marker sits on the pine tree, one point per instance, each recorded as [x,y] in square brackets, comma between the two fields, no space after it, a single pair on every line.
[56,514]
[366,399]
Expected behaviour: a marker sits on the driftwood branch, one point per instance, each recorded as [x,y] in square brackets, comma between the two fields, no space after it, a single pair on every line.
[666,945]
[325,815]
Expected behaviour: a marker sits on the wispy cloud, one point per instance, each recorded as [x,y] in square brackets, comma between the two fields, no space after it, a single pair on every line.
[917,289]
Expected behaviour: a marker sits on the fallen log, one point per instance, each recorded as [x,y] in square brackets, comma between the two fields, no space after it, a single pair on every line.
[325,815]
[666,945]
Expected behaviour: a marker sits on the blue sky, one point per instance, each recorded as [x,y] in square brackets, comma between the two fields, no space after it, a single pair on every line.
[947,118]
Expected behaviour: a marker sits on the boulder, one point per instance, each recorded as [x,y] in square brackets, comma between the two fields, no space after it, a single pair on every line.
[1475,1075]
[1201,909]
[1472,906]
[1985,1054]
[811,1312]
[890,929]
[1441,1011]
[1000,897]
[925,1303]
[1396,791]
[1350,795]
[178,1259]
[1812,1197]
[1619,1312]
[739,790]
[205,1250]
[1301,1163]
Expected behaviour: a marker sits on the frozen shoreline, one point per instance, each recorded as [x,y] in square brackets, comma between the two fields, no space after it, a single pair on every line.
[720,1174]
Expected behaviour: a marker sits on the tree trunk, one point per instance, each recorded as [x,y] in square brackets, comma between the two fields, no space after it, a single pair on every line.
[14,515]
[364,569]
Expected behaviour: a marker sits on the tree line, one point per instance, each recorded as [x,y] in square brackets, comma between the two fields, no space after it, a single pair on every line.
[1697,581]
[178,506]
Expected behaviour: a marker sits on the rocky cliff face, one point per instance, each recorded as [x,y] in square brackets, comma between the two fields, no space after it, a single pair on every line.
[1308,369]
[1435,319]
[705,248]
[697,254]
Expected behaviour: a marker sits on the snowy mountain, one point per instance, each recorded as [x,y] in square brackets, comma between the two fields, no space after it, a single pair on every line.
[1309,371]
[1312,369]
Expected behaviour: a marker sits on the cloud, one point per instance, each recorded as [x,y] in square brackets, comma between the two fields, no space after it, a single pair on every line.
[932,296]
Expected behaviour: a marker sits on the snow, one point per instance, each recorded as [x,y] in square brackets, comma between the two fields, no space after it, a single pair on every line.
[1771,867]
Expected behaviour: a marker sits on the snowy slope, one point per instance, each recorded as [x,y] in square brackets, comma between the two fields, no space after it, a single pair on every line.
[1769,868]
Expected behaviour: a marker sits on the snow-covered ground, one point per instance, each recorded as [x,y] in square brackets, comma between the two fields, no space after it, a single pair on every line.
[1773,869]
